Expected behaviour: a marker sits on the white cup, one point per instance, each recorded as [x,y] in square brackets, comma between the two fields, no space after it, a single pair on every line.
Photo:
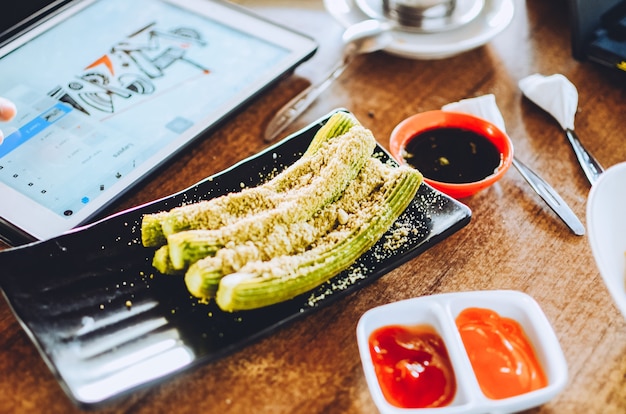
[414,12]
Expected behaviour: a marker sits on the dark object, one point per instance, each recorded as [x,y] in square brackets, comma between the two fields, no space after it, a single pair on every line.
[22,14]
[452,155]
[598,31]
[107,323]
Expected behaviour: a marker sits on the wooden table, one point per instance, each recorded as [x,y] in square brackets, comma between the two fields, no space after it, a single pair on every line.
[512,242]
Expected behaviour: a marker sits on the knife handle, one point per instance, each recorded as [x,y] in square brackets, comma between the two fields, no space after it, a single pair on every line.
[551,197]
[591,167]
[297,105]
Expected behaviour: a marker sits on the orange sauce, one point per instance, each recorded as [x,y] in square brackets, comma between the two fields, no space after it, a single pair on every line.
[501,355]
[412,366]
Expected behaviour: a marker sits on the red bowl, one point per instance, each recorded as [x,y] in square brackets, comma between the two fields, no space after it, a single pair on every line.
[424,122]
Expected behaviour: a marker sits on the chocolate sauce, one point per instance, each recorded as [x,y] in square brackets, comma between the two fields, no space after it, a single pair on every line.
[452,155]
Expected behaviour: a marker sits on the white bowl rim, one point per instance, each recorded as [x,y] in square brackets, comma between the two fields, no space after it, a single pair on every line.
[612,275]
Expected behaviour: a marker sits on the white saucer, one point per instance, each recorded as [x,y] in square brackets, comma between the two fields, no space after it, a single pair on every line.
[494,17]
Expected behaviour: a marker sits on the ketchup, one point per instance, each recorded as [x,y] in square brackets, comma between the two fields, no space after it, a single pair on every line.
[412,366]
[501,355]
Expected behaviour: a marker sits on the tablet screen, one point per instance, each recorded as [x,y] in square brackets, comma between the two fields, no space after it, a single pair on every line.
[107,94]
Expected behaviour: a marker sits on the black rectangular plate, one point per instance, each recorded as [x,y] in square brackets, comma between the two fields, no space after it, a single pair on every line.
[107,323]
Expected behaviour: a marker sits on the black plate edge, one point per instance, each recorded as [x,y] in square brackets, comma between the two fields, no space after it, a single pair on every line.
[150,207]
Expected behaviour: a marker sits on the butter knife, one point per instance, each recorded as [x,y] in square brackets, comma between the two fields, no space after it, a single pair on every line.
[486,107]
[363,37]
[551,197]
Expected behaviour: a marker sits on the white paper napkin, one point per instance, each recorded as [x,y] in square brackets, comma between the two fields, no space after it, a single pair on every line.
[482,106]
[555,94]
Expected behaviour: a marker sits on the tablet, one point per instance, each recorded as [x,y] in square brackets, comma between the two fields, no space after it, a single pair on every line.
[108,90]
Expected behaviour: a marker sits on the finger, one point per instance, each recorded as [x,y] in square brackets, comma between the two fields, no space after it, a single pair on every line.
[7,109]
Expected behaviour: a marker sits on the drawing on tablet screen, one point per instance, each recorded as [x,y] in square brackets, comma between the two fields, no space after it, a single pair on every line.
[129,78]
[128,69]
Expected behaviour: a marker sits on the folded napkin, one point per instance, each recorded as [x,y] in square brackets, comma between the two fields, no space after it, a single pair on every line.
[555,94]
[484,107]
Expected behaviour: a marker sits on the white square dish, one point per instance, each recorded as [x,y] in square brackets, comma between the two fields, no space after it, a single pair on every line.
[440,311]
